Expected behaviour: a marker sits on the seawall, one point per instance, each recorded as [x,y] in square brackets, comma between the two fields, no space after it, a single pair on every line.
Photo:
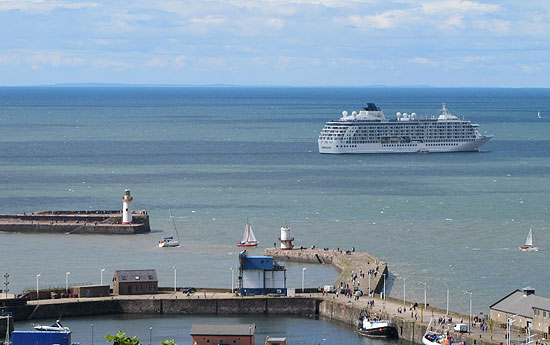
[75,222]
[302,306]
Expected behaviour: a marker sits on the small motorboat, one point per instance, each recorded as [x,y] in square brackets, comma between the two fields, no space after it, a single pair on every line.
[375,327]
[168,242]
[56,327]
[249,240]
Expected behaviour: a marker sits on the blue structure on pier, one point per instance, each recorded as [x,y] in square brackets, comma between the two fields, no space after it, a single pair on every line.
[41,338]
[260,275]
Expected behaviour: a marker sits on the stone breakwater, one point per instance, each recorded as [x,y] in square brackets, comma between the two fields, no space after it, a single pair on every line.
[75,222]
[348,263]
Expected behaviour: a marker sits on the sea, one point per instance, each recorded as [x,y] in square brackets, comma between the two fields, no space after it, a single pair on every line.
[216,157]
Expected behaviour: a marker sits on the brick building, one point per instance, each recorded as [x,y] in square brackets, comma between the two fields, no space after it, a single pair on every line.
[216,334]
[135,282]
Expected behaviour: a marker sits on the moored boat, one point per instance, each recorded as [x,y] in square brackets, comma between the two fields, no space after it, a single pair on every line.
[437,336]
[56,327]
[375,327]
[170,241]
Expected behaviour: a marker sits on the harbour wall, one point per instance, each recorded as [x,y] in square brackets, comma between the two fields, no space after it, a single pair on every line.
[302,306]
[75,222]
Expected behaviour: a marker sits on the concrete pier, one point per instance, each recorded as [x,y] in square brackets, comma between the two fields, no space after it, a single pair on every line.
[346,263]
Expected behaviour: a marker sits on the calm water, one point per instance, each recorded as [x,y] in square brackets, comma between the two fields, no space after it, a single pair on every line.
[217,156]
[299,331]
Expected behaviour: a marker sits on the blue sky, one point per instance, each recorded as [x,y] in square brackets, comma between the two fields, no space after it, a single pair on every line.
[271,42]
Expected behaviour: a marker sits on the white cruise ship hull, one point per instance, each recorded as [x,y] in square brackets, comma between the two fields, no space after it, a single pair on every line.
[337,147]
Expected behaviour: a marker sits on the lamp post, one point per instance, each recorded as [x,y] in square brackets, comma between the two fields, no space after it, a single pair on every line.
[37,294]
[67,281]
[369,282]
[232,280]
[404,293]
[101,281]
[6,283]
[92,334]
[150,335]
[303,275]
[509,322]
[250,330]
[384,285]
[447,312]
[469,316]
[175,286]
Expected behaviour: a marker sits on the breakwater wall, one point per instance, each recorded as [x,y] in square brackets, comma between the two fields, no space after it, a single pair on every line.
[302,306]
[75,222]
[345,262]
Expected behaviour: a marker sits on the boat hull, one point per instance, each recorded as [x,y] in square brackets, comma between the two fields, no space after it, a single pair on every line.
[336,147]
[529,249]
[379,332]
[247,245]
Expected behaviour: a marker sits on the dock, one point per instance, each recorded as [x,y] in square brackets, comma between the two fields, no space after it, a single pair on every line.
[75,222]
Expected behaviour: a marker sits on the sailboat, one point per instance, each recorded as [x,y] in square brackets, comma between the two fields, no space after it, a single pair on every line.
[539,115]
[529,243]
[170,241]
[249,240]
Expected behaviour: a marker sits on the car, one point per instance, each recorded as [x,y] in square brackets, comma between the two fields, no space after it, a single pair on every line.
[329,289]
[345,291]
[461,327]
[188,289]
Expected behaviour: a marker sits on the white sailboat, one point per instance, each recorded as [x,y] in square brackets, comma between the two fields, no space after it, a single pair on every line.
[539,115]
[529,243]
[249,240]
[170,241]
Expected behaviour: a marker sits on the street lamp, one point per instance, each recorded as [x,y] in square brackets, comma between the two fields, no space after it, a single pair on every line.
[37,294]
[92,334]
[509,322]
[150,335]
[303,275]
[232,279]
[102,270]
[470,316]
[250,330]
[67,281]
[175,286]
[447,313]
[404,293]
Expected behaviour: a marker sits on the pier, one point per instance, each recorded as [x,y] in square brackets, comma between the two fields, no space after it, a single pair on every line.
[411,319]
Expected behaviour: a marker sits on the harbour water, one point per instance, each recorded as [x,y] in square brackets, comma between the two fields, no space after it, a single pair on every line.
[217,156]
[298,331]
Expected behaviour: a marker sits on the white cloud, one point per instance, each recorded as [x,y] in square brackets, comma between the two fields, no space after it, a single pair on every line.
[424,61]
[41,6]
[385,20]
[53,58]
[458,6]
[496,26]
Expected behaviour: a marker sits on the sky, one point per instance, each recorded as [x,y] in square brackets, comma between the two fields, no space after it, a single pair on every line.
[447,43]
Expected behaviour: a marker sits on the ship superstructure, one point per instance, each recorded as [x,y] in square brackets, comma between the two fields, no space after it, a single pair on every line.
[370,132]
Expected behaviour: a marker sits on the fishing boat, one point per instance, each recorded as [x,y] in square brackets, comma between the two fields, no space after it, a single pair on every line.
[170,241]
[375,327]
[249,240]
[56,327]
[437,336]
[528,247]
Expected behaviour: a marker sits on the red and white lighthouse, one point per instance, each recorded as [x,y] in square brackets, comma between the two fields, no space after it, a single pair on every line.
[127,207]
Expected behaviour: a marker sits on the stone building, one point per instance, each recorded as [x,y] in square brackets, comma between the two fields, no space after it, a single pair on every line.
[526,308]
[216,334]
[135,282]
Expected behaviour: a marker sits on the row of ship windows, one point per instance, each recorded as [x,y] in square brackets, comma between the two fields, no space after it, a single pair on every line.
[402,127]
[402,145]
[424,140]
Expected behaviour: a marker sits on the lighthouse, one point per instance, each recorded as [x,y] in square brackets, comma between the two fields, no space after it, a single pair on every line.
[286,239]
[127,207]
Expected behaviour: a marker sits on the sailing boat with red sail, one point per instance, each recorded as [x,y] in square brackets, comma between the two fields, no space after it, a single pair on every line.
[249,240]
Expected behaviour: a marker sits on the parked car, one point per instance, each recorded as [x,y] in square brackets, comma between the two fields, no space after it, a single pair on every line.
[461,327]
[329,289]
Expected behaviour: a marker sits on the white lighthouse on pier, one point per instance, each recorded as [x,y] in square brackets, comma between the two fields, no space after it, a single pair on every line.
[127,207]
[286,239]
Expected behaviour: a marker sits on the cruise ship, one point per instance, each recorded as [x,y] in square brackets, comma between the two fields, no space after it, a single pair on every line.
[370,132]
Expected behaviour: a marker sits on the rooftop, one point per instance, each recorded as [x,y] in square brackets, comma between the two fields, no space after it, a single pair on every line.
[521,303]
[219,329]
